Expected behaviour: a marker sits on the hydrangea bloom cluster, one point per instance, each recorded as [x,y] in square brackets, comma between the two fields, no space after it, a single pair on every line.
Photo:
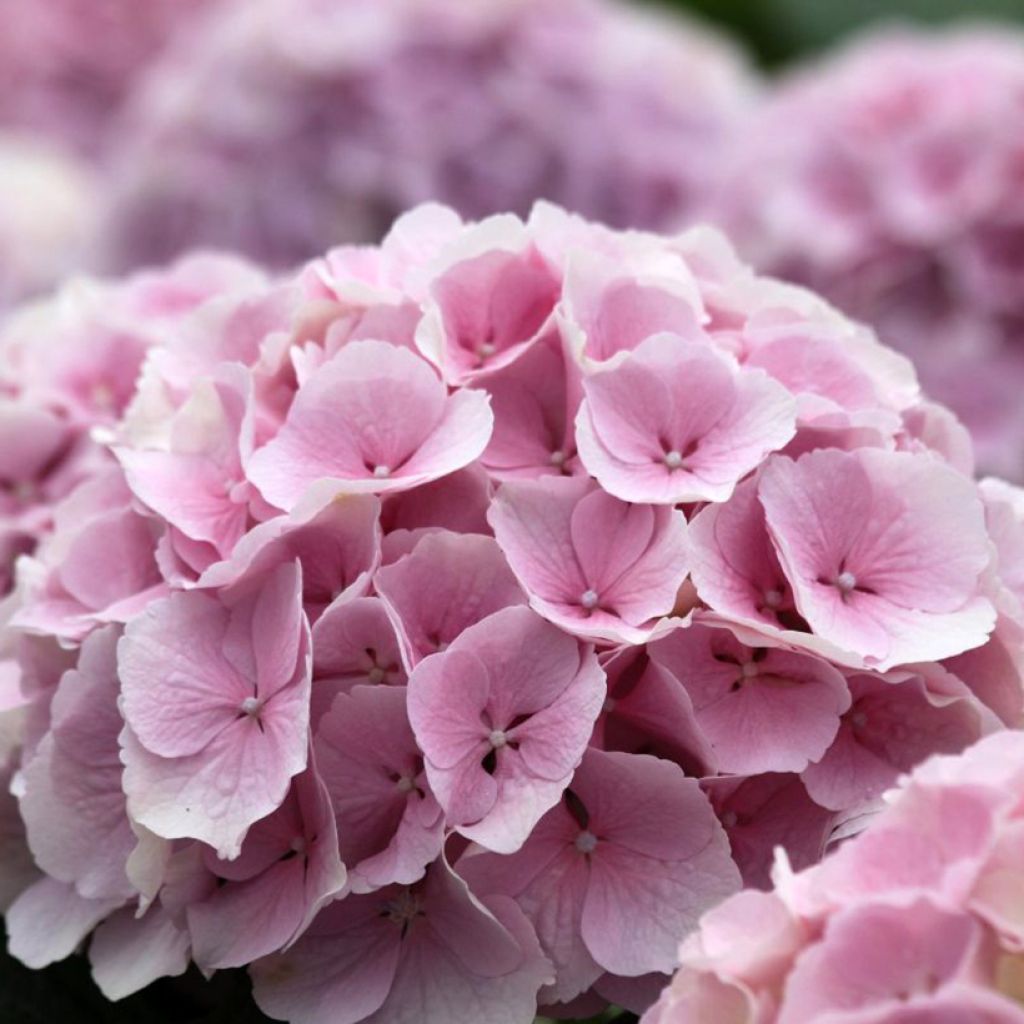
[920,918]
[47,212]
[889,179]
[348,113]
[67,66]
[442,629]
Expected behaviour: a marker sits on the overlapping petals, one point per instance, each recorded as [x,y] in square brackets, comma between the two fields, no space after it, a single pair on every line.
[916,919]
[441,629]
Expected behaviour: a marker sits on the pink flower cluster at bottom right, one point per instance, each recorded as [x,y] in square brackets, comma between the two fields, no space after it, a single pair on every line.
[919,920]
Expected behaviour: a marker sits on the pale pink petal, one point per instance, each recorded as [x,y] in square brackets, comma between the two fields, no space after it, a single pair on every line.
[128,952]
[448,582]
[374,418]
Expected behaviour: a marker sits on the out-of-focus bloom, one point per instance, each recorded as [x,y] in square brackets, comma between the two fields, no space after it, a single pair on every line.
[890,177]
[48,207]
[332,118]
[67,66]
[919,919]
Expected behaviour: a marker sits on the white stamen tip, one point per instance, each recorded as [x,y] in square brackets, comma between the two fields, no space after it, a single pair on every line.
[846,582]
[250,706]
[673,459]
[497,738]
[381,472]
[557,458]
[406,785]
[749,669]
[730,819]
[586,841]
[486,350]
[589,599]
[298,844]
[376,674]
[773,598]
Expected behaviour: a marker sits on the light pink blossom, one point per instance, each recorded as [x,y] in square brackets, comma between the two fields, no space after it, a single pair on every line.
[503,716]
[216,697]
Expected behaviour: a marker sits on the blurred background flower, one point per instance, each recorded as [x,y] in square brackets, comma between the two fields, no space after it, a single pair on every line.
[283,127]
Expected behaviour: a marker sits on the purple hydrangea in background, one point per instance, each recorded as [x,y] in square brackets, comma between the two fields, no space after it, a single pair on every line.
[67,66]
[283,127]
[891,178]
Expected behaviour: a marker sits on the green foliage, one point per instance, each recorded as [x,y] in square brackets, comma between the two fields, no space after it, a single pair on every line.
[781,30]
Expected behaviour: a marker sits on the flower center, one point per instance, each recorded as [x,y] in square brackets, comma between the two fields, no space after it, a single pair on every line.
[557,457]
[673,459]
[251,706]
[748,669]
[485,350]
[376,674]
[589,599]
[859,719]
[773,598]
[846,582]
[586,841]
[497,738]
[381,472]
[402,909]
[405,784]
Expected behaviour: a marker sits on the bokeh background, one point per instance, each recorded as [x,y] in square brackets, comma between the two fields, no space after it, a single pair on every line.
[777,33]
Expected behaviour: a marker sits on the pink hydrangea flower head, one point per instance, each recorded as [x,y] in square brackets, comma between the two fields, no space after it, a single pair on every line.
[916,919]
[338,645]
[503,716]
[929,256]
[621,114]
